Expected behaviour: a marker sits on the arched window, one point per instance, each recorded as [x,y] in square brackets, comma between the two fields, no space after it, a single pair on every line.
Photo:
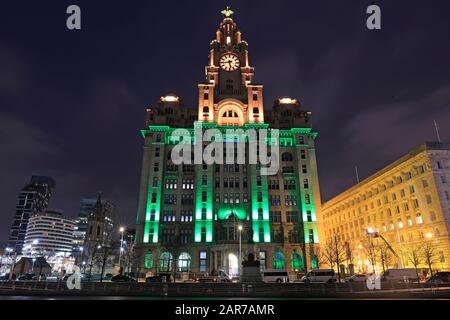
[148,262]
[297,261]
[278,260]
[165,262]
[256,110]
[205,109]
[184,262]
[98,230]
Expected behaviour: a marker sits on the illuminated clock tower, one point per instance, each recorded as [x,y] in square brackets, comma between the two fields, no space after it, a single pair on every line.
[199,218]
[229,97]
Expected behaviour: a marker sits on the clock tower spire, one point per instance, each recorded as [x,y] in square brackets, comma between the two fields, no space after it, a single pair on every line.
[229,80]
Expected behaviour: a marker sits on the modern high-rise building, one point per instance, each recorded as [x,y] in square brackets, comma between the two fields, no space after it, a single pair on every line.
[86,207]
[203,217]
[405,206]
[49,234]
[33,198]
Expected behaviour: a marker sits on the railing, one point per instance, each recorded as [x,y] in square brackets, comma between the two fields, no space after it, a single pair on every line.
[179,289]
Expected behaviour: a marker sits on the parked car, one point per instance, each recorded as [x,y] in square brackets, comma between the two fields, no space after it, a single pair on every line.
[4,277]
[275,275]
[108,276]
[158,278]
[439,277]
[41,277]
[26,277]
[122,278]
[320,275]
[356,278]
[399,275]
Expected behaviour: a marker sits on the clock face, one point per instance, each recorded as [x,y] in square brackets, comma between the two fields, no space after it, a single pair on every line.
[229,62]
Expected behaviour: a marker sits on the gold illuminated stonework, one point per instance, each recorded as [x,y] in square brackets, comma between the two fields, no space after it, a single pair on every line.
[408,203]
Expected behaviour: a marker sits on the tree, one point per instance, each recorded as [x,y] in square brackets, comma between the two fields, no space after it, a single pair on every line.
[334,253]
[328,254]
[413,255]
[385,256]
[339,253]
[430,255]
[371,253]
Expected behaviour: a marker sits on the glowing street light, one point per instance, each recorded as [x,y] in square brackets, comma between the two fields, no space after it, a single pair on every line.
[122,229]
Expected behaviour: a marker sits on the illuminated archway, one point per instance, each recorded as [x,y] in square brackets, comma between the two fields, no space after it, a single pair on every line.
[165,262]
[184,262]
[297,261]
[230,113]
[278,260]
[225,213]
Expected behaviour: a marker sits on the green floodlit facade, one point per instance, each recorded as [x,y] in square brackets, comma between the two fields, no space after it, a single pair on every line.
[192,217]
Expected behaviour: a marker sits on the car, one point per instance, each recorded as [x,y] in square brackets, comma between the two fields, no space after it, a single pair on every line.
[439,277]
[162,277]
[4,277]
[108,276]
[26,277]
[400,275]
[122,278]
[275,275]
[320,275]
[41,277]
[356,278]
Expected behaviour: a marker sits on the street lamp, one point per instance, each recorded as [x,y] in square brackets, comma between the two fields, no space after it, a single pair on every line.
[122,229]
[240,248]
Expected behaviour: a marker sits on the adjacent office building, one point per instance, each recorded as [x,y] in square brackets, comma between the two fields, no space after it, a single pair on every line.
[33,198]
[205,217]
[405,205]
[49,234]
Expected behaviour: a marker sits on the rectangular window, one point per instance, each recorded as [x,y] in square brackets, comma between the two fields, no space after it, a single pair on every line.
[311,236]
[302,154]
[260,214]
[202,261]
[203,213]
[261,234]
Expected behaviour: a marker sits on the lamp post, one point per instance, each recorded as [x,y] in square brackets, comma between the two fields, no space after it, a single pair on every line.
[240,248]
[122,229]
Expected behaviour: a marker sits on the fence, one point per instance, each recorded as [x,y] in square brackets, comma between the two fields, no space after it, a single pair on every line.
[293,290]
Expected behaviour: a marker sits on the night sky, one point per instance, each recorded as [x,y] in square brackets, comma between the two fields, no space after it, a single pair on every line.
[72,102]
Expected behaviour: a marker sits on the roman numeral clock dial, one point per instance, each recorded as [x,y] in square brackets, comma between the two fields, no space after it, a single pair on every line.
[229,62]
